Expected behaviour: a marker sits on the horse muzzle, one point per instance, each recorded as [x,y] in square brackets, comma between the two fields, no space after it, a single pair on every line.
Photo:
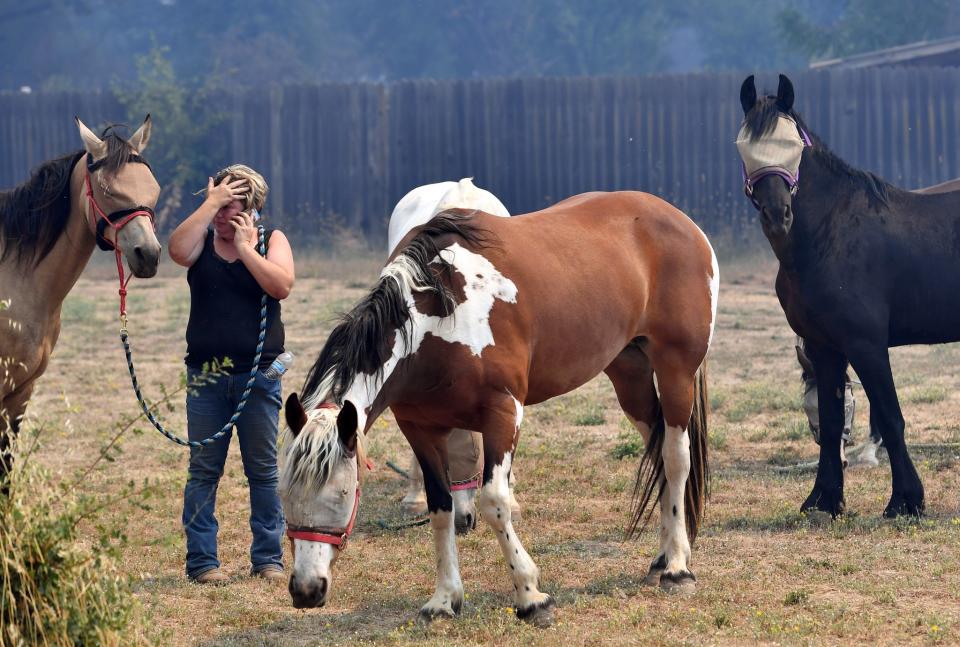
[310,593]
[144,260]
[776,221]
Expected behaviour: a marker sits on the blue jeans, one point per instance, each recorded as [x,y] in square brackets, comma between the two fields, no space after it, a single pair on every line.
[207,411]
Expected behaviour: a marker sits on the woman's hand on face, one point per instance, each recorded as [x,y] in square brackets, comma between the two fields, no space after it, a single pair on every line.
[226,192]
[244,230]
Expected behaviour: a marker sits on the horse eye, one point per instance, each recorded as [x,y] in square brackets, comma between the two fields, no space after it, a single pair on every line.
[343,493]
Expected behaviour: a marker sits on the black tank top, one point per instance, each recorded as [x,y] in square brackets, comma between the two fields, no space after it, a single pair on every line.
[225,313]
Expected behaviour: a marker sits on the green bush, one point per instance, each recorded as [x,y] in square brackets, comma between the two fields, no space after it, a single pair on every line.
[60,545]
[56,586]
[630,445]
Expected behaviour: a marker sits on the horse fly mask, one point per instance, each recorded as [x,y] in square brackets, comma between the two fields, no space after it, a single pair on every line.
[777,153]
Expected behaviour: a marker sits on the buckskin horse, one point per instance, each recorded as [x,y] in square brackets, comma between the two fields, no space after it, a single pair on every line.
[864,266]
[49,226]
[465,452]
[476,317]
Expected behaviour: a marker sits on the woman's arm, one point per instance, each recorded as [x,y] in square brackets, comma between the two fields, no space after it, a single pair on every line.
[275,273]
[186,241]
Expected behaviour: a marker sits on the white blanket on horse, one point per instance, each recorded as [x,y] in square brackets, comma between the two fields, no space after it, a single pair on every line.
[424,202]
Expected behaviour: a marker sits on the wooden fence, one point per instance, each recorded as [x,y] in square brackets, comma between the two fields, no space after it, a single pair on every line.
[352,150]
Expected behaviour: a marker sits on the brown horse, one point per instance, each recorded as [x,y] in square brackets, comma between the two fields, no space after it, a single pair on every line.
[49,226]
[477,316]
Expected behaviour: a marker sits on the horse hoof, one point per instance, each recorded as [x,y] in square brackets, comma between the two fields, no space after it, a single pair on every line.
[825,500]
[429,614]
[902,505]
[683,582]
[540,614]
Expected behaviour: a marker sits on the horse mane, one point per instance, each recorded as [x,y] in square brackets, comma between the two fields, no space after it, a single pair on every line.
[34,214]
[762,119]
[360,342]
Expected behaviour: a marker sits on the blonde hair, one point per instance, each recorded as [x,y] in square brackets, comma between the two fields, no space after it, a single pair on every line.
[257,195]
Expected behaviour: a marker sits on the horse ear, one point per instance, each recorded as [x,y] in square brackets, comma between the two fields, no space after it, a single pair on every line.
[748,94]
[140,138]
[296,416]
[785,94]
[91,143]
[347,425]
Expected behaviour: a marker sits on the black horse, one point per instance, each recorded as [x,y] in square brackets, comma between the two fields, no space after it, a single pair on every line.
[864,266]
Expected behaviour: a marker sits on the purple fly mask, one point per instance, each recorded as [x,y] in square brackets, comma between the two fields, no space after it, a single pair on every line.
[776,153]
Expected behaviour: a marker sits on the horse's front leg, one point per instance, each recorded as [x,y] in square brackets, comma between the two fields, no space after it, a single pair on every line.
[501,429]
[13,407]
[872,363]
[430,447]
[830,367]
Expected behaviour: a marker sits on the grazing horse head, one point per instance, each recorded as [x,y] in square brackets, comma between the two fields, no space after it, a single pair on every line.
[771,144]
[120,189]
[319,487]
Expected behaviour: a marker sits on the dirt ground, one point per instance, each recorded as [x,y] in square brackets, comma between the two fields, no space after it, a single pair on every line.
[766,574]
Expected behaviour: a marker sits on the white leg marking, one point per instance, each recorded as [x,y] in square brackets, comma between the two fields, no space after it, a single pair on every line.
[495,508]
[676,467]
[415,500]
[868,455]
[448,597]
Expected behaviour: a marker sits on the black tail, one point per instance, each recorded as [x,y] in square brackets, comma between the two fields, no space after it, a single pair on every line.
[650,476]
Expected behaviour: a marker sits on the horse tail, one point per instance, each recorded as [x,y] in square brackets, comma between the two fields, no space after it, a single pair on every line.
[698,481]
[651,480]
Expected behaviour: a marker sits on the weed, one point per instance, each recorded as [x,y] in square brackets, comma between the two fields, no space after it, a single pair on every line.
[796,597]
[630,445]
[926,395]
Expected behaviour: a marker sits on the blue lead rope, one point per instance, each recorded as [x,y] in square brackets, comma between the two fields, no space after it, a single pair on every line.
[124,339]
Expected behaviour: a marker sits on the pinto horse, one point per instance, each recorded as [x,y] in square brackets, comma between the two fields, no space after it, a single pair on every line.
[476,317]
[49,226]
[864,266]
[465,450]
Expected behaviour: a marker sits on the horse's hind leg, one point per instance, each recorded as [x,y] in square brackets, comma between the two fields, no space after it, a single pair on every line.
[632,376]
[430,447]
[682,385]
[501,429]
[414,501]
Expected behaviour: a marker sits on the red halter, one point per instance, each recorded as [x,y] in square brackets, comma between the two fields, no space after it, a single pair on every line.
[99,221]
[337,536]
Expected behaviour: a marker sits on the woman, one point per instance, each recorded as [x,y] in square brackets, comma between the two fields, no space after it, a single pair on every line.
[227,278]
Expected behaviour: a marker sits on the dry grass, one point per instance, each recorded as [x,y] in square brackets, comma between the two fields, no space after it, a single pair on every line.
[766,573]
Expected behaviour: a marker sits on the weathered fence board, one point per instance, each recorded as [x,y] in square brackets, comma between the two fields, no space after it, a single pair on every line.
[346,153]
